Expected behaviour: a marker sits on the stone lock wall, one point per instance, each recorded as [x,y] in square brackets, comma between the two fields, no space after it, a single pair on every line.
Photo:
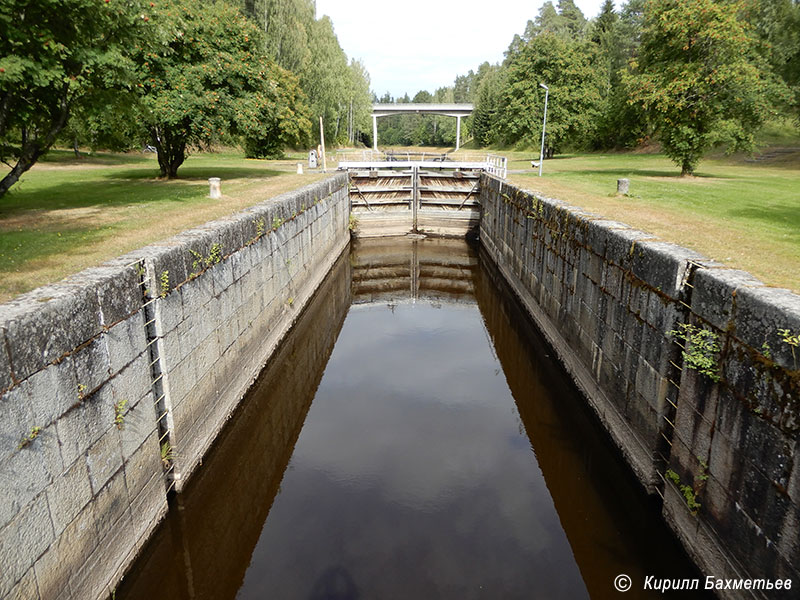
[722,448]
[114,382]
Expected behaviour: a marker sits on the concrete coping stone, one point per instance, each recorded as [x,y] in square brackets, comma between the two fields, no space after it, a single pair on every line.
[662,265]
[714,294]
[117,290]
[760,314]
[47,323]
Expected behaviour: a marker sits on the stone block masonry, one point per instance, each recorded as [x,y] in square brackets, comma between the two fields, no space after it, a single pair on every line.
[115,382]
[693,369]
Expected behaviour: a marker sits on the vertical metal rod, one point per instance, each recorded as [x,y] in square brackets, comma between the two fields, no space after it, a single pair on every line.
[458,132]
[414,196]
[374,133]
[322,139]
[544,124]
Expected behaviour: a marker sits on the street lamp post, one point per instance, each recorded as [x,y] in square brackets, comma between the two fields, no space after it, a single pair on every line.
[544,124]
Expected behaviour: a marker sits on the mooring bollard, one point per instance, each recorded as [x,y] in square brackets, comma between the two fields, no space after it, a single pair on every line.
[214,188]
[623,185]
[299,168]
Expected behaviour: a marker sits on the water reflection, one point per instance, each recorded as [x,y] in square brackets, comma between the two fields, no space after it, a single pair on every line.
[442,457]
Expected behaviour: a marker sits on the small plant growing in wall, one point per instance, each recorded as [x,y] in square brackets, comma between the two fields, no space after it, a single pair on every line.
[119,413]
[260,228]
[201,262]
[352,224]
[215,255]
[793,340]
[197,263]
[167,455]
[28,438]
[686,491]
[276,222]
[81,391]
[164,283]
[700,349]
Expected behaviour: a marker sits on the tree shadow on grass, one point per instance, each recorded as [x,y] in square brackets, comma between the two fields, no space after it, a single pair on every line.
[620,172]
[200,173]
[124,188]
[786,216]
[67,158]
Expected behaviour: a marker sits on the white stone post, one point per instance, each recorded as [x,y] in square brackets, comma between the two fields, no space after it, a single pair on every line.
[214,188]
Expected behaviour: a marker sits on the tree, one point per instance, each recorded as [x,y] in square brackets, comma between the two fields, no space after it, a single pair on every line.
[327,79]
[621,124]
[548,19]
[212,78]
[484,116]
[464,87]
[360,102]
[53,54]
[777,24]
[286,25]
[272,113]
[105,119]
[572,19]
[568,68]
[699,76]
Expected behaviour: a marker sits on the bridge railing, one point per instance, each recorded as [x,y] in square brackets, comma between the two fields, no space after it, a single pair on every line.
[497,165]
[360,159]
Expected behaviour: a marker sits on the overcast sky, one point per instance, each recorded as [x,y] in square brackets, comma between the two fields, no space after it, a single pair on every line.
[414,45]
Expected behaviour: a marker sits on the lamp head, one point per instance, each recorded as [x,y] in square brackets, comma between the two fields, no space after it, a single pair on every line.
[544,86]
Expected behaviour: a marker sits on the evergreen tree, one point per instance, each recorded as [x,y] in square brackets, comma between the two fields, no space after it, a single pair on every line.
[484,115]
[573,22]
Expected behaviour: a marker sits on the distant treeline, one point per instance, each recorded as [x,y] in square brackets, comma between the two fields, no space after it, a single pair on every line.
[687,73]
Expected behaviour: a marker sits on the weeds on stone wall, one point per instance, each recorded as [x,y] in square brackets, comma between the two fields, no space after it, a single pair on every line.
[167,455]
[164,283]
[201,263]
[700,349]
[119,416]
[686,491]
[794,342]
[28,439]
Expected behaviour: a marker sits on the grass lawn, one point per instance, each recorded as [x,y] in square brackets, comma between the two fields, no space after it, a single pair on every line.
[743,214]
[67,214]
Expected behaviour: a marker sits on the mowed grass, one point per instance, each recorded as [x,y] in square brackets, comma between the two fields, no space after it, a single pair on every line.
[67,214]
[741,213]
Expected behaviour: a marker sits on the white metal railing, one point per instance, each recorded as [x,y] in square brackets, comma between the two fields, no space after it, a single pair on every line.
[491,163]
[497,165]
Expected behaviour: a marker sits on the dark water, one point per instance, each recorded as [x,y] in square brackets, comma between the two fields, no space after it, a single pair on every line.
[411,439]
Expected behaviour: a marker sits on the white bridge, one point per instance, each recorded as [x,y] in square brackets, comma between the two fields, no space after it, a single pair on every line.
[447,110]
